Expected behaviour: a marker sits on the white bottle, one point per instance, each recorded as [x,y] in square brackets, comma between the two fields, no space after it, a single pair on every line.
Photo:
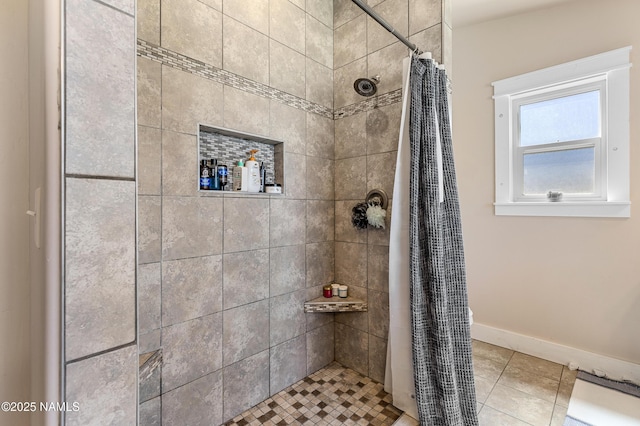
[253,171]
[240,177]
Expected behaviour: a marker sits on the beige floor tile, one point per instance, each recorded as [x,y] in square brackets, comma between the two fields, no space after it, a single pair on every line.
[483,388]
[520,405]
[487,368]
[559,414]
[530,382]
[493,352]
[491,417]
[566,386]
[535,365]
[406,420]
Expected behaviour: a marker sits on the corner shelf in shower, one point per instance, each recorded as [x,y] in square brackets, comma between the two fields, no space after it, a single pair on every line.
[335,304]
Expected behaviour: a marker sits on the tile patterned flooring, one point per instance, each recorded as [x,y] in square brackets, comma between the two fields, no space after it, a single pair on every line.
[332,396]
[513,389]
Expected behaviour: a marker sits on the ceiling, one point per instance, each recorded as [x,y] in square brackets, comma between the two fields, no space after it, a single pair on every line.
[468,12]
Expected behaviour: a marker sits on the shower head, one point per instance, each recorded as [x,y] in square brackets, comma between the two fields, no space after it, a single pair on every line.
[366,86]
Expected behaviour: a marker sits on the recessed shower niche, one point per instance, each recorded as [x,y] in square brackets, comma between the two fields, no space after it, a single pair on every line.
[222,149]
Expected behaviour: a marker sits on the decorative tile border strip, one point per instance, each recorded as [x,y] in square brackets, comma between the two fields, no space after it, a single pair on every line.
[335,304]
[193,66]
[374,102]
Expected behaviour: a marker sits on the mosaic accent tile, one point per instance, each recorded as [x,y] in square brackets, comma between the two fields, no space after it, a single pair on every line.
[202,69]
[334,395]
[335,304]
[184,63]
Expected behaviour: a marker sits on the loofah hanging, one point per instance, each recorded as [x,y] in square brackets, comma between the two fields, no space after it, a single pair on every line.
[359,215]
[376,215]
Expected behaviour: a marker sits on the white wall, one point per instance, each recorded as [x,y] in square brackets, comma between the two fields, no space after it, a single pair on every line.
[14,202]
[569,281]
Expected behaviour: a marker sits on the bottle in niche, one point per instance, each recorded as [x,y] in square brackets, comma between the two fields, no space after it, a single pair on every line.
[253,172]
[215,178]
[263,176]
[222,174]
[205,175]
[240,177]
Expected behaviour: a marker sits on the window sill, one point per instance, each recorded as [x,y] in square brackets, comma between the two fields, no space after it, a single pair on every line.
[565,208]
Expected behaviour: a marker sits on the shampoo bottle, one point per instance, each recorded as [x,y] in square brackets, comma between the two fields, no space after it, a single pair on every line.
[253,170]
[205,175]
[240,177]
[215,179]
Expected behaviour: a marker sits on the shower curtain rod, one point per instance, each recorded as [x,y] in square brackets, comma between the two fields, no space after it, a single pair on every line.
[386,25]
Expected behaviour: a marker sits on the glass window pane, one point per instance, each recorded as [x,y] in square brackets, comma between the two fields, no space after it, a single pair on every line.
[562,119]
[569,171]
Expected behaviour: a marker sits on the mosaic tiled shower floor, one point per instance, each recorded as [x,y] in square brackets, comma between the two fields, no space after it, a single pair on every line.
[333,396]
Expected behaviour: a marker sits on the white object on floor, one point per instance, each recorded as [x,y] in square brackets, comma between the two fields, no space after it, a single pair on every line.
[600,406]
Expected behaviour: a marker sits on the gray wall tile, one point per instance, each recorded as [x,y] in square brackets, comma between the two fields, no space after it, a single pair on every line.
[319,41]
[320,136]
[286,69]
[287,269]
[148,19]
[345,231]
[383,129]
[322,10]
[343,79]
[179,167]
[381,169]
[320,220]
[295,166]
[203,40]
[189,100]
[245,112]
[320,263]
[246,277]
[149,93]
[319,78]
[150,164]
[351,175]
[288,363]
[246,224]
[351,136]
[246,331]
[287,24]
[149,228]
[352,348]
[351,264]
[102,383]
[424,14]
[256,16]
[378,268]
[396,13]
[149,300]
[286,318]
[150,341]
[198,403]
[377,358]
[191,350]
[379,319]
[99,289]
[245,50]
[387,63]
[344,11]
[246,383]
[348,41]
[287,222]
[288,124]
[104,146]
[320,347]
[184,221]
[320,172]
[191,288]
[151,413]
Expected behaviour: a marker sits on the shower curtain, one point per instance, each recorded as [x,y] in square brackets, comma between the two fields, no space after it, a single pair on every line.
[429,364]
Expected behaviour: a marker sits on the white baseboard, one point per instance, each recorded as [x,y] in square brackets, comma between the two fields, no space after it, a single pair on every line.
[590,362]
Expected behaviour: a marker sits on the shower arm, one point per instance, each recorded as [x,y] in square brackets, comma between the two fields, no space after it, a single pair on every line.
[369,11]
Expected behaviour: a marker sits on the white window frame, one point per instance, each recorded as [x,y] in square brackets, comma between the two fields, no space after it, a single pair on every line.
[610,73]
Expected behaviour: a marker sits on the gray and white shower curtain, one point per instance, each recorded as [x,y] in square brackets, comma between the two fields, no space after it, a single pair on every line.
[442,361]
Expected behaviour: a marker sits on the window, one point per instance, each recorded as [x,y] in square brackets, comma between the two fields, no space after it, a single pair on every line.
[562,139]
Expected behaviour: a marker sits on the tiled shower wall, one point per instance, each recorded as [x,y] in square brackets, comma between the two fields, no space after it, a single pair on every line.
[223,279]
[366,139]
[100,350]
